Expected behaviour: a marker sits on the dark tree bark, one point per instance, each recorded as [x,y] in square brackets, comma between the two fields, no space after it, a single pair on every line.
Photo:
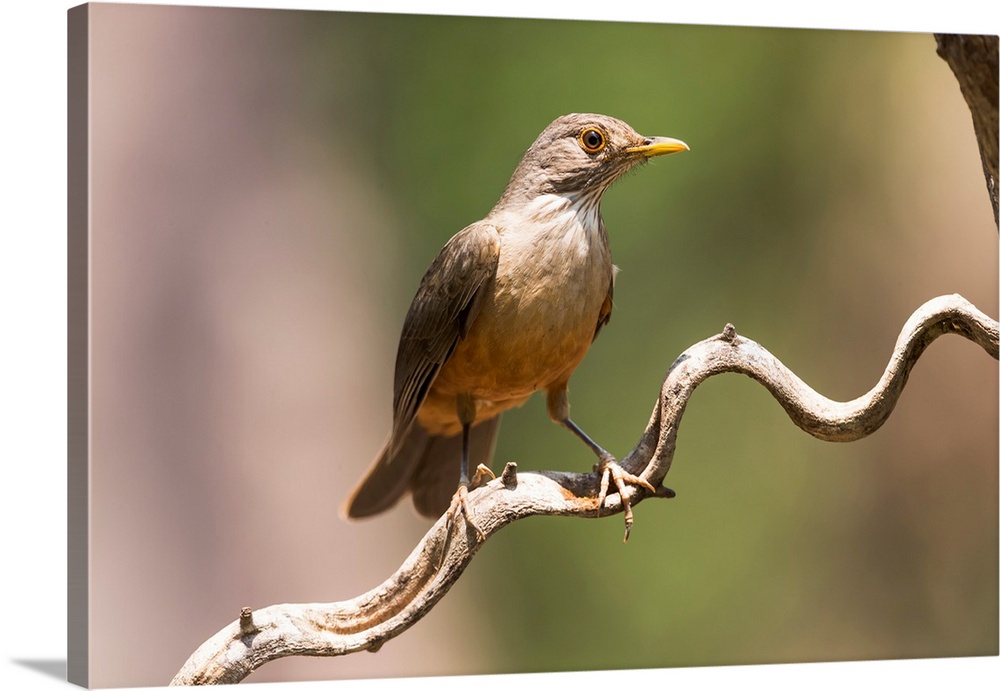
[973,59]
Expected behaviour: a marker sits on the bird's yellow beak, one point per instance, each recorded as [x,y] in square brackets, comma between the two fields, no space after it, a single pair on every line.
[658,146]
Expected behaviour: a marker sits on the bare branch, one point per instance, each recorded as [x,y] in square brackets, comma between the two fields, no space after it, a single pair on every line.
[368,621]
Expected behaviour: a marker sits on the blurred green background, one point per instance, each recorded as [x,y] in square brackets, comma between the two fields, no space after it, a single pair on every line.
[833,185]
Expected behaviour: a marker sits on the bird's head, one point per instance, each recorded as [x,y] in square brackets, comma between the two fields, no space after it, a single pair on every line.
[581,154]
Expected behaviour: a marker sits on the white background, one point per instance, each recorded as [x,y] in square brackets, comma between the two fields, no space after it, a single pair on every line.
[33,341]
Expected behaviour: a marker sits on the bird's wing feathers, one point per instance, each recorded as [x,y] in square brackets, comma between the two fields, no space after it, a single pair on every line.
[445,306]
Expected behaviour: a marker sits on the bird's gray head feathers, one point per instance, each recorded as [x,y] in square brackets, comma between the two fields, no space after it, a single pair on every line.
[581,154]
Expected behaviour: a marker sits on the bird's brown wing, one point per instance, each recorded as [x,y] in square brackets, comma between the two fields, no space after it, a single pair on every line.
[446,304]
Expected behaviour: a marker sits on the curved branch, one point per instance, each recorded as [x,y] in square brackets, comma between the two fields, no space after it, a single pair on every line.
[367,621]
[819,416]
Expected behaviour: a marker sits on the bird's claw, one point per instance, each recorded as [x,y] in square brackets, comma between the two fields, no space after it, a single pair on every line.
[459,502]
[610,472]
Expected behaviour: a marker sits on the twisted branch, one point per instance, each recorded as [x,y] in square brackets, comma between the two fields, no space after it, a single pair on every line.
[367,621]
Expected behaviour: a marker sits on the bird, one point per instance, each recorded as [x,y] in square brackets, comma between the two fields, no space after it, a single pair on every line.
[508,307]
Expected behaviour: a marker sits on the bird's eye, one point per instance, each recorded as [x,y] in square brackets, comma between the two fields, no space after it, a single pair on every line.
[592,140]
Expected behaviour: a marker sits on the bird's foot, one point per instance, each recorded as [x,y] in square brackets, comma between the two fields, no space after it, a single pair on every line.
[610,472]
[459,503]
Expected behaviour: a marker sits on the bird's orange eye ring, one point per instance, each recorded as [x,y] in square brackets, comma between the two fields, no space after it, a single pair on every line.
[592,140]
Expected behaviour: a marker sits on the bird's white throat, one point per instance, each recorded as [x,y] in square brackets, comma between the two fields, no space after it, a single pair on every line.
[572,222]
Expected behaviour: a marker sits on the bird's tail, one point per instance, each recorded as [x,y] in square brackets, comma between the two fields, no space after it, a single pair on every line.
[426,465]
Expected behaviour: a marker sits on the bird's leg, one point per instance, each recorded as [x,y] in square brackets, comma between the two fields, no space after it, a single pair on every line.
[463,475]
[466,414]
[610,471]
[460,499]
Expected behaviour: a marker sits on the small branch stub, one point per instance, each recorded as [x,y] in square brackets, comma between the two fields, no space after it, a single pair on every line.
[509,476]
[247,627]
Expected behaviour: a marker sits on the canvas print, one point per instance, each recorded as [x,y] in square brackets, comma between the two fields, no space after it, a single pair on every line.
[316,257]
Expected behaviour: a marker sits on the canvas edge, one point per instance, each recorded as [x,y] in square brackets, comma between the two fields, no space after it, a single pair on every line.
[78,346]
